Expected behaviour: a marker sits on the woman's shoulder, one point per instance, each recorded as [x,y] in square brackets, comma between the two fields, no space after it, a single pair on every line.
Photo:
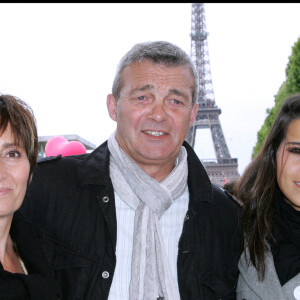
[251,287]
[12,286]
[15,286]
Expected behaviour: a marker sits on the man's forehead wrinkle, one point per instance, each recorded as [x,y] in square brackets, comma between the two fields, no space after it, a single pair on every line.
[157,81]
[149,87]
[145,87]
[176,92]
[157,78]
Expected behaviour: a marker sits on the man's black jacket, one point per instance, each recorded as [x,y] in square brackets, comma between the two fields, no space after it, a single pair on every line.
[71,203]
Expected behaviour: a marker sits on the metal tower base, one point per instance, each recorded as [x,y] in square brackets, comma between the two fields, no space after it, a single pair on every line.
[221,171]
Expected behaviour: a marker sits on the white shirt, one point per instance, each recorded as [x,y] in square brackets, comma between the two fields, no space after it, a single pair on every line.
[171,227]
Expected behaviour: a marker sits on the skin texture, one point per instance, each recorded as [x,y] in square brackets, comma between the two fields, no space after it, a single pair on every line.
[153,114]
[288,165]
[14,172]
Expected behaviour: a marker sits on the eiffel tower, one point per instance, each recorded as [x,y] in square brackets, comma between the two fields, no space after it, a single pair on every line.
[223,168]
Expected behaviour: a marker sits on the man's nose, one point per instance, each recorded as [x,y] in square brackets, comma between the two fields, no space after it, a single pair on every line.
[158,112]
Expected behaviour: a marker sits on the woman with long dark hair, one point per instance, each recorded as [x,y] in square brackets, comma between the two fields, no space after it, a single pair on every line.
[270,190]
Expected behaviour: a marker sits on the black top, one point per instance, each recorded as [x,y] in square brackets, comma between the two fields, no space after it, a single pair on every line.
[286,249]
[38,285]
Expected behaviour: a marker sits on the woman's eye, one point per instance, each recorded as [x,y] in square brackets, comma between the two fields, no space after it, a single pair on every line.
[295,150]
[13,154]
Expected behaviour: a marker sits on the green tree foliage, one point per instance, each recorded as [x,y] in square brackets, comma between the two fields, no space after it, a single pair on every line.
[290,86]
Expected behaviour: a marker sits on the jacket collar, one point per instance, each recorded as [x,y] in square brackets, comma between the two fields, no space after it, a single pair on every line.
[200,188]
[95,170]
[271,281]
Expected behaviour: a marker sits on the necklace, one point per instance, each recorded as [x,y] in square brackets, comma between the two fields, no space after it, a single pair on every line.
[23,266]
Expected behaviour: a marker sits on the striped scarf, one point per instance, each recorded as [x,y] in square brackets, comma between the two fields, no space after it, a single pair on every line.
[151,277]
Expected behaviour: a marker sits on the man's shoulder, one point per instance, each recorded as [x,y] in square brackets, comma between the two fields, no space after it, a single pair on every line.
[223,198]
[81,168]
[52,169]
[45,161]
[98,154]
[226,213]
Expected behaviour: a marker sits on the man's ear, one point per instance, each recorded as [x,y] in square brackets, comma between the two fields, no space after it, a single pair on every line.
[194,113]
[111,103]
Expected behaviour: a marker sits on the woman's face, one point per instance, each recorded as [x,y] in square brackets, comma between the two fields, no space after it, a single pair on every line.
[14,173]
[288,165]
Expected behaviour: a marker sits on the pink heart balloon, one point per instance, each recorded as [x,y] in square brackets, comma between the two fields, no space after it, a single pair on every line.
[59,145]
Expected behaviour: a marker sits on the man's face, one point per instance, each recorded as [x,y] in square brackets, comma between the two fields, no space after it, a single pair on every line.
[154,112]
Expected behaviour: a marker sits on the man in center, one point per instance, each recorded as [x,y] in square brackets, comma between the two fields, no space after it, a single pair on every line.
[154,103]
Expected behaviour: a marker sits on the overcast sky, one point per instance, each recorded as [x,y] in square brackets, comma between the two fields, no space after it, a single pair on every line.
[61,59]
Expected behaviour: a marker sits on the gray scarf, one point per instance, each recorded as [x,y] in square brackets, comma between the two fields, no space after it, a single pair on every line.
[150,272]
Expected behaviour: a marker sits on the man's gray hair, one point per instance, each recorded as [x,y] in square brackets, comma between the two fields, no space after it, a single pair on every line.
[159,52]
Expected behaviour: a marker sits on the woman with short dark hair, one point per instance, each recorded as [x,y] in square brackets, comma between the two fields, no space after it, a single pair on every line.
[23,268]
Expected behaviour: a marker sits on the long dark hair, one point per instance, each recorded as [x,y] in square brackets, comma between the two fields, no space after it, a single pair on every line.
[257,188]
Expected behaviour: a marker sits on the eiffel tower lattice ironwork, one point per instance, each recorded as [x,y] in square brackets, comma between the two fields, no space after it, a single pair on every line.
[223,168]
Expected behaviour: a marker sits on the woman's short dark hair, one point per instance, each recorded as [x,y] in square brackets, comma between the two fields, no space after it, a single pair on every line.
[20,116]
[257,187]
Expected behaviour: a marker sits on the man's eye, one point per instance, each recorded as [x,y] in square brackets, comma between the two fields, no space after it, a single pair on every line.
[141,98]
[175,101]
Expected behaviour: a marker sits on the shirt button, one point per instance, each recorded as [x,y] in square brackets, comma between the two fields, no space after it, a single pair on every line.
[105,199]
[105,274]
[186,218]
[297,292]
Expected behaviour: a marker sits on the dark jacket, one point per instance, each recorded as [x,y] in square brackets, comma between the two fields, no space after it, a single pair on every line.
[71,203]
[39,284]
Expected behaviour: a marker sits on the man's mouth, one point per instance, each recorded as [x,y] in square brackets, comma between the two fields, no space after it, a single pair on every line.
[154,133]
